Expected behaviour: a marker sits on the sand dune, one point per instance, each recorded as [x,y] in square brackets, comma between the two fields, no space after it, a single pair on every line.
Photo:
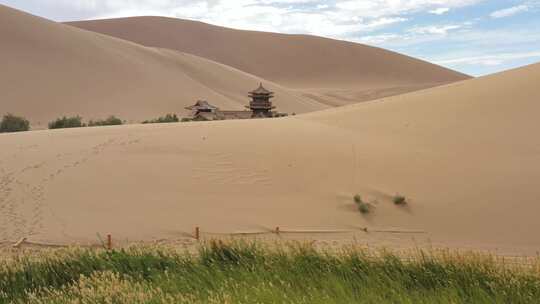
[50,69]
[466,156]
[330,71]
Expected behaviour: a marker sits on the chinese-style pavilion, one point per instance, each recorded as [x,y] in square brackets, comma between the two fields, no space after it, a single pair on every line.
[260,105]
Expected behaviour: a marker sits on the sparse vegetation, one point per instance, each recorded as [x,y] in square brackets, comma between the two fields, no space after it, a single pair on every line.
[169,118]
[363,207]
[67,122]
[12,123]
[251,273]
[110,121]
[400,200]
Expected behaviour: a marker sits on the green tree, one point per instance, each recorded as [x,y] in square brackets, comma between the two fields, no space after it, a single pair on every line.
[12,123]
[169,118]
[67,122]
[110,121]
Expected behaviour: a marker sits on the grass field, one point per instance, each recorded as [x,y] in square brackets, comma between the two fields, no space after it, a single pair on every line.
[257,273]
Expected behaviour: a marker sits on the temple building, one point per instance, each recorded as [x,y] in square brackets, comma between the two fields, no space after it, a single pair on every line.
[260,106]
[202,106]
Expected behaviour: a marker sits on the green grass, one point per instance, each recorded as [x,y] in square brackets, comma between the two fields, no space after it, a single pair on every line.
[253,273]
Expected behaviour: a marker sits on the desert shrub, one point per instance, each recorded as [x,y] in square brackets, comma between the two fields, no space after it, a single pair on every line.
[400,200]
[67,122]
[110,121]
[186,119]
[363,207]
[12,123]
[169,118]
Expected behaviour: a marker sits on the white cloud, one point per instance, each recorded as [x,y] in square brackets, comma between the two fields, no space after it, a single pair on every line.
[384,21]
[507,12]
[379,39]
[377,8]
[440,11]
[435,29]
[342,19]
[489,60]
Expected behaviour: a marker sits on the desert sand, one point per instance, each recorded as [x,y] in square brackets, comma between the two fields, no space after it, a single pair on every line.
[51,69]
[328,71]
[465,155]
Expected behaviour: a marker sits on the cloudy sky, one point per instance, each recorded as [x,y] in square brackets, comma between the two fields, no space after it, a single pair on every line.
[477,37]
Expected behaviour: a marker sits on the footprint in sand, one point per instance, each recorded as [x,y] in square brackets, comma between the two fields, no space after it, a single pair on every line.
[22,205]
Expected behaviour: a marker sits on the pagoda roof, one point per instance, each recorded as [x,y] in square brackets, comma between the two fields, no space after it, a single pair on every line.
[261,91]
[202,104]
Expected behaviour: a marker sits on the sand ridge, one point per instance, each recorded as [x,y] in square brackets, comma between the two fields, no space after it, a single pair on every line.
[329,71]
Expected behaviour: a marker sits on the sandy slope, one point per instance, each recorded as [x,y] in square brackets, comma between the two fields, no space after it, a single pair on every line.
[51,69]
[466,155]
[331,71]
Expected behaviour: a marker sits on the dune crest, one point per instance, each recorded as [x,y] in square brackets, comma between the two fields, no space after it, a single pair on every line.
[325,70]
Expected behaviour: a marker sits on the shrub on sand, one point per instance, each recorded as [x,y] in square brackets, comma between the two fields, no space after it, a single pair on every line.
[169,118]
[67,122]
[110,121]
[12,123]
[363,207]
[400,200]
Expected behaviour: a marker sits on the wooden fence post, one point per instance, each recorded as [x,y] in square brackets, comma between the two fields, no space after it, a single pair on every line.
[197,233]
[109,242]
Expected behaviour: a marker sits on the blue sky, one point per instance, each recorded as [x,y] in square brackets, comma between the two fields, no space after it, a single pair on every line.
[476,37]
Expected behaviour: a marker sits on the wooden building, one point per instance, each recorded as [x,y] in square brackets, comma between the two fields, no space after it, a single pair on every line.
[202,106]
[260,107]
[260,103]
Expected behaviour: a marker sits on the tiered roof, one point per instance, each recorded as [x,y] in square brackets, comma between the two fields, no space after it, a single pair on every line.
[202,105]
[261,91]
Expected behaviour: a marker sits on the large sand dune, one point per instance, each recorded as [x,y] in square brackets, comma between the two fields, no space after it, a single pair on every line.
[466,155]
[51,69]
[329,71]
